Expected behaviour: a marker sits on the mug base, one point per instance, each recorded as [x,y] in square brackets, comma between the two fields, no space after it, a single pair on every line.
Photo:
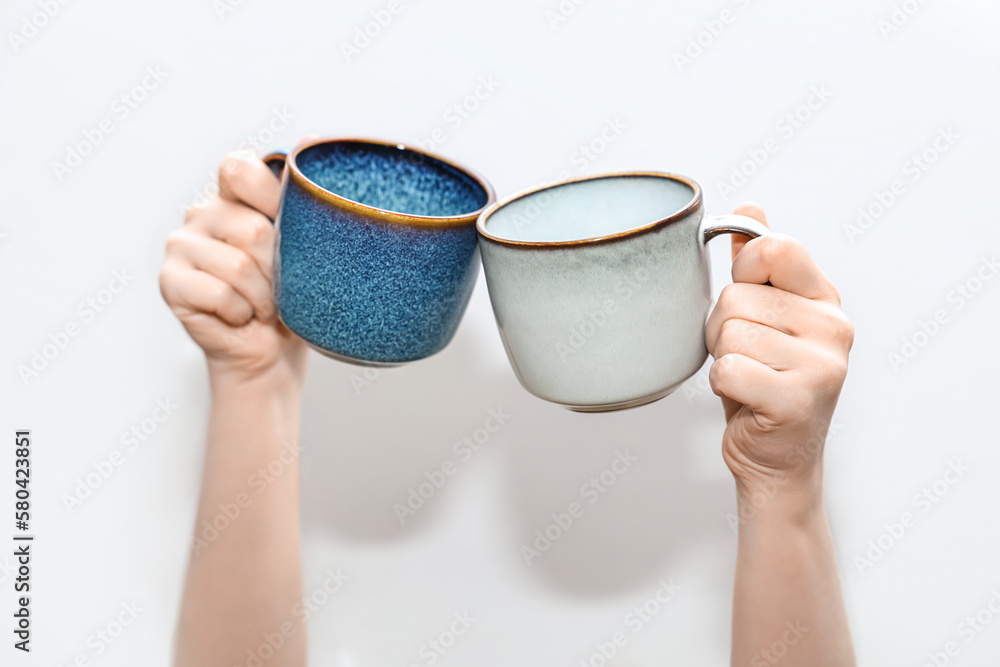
[353,360]
[623,405]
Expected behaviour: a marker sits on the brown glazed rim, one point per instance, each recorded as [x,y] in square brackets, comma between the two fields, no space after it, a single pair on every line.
[389,216]
[688,208]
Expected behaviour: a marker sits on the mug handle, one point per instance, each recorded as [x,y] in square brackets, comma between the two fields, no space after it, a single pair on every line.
[275,161]
[715,225]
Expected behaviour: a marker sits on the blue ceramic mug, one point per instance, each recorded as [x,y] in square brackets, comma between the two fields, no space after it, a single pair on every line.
[375,252]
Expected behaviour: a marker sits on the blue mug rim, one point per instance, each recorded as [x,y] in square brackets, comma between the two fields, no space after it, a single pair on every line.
[315,189]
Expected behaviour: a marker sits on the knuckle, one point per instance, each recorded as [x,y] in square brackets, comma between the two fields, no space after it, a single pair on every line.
[728,298]
[780,302]
[774,249]
[260,230]
[729,328]
[840,373]
[241,313]
[840,327]
[731,334]
[165,280]
[220,294]
[242,264]
[170,289]
[832,373]
[266,306]
[175,241]
[721,369]
[231,170]
[845,332]
[715,380]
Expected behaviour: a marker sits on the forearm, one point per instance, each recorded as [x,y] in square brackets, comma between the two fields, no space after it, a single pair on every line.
[244,574]
[787,604]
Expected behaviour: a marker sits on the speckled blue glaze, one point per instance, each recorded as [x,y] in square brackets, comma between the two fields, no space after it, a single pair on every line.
[358,283]
[388,178]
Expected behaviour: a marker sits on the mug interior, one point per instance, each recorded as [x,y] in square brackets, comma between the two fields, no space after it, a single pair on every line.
[391,178]
[590,208]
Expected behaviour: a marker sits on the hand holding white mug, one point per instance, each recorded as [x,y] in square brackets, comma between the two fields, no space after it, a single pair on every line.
[780,361]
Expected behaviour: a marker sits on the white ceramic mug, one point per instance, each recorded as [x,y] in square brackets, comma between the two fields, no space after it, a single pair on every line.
[601,285]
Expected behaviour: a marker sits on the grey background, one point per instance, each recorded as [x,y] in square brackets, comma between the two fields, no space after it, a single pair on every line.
[897,430]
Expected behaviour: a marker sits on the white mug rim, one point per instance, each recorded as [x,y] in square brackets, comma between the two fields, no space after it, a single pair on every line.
[692,206]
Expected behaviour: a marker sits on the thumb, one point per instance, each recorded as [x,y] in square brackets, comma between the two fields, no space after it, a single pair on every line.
[751,210]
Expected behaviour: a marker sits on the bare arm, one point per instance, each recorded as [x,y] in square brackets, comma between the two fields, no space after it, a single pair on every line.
[781,358]
[244,572]
[244,575]
[787,605]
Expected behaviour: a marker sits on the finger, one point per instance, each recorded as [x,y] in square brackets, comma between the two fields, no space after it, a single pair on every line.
[230,265]
[761,343]
[191,292]
[784,311]
[245,179]
[748,382]
[751,210]
[791,314]
[238,225]
[786,264]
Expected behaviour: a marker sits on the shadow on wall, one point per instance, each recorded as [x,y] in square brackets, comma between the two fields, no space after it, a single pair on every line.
[368,437]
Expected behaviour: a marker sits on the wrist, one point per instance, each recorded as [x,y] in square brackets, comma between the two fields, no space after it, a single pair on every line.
[254,419]
[276,381]
[780,500]
[780,497]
